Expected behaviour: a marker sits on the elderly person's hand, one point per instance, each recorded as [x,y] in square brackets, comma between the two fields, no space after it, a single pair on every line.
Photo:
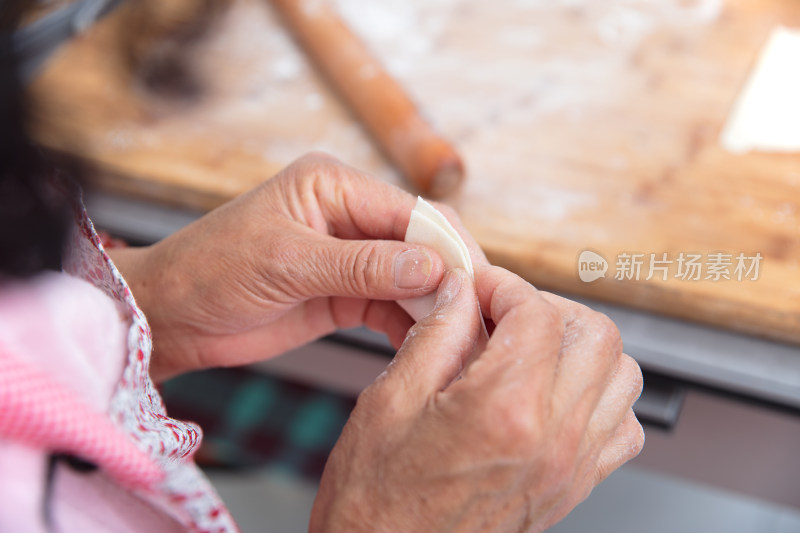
[316,248]
[537,419]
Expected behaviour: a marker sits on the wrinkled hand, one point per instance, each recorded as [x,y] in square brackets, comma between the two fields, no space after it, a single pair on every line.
[539,418]
[314,249]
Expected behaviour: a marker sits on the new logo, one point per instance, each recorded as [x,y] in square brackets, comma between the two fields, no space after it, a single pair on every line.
[591,266]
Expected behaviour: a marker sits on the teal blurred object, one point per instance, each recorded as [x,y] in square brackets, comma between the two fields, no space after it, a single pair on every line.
[250,419]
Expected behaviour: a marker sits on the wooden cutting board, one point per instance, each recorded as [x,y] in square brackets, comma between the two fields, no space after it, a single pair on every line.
[583,125]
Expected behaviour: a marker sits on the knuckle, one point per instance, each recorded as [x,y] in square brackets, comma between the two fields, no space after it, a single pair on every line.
[512,425]
[638,438]
[630,440]
[306,169]
[365,267]
[426,328]
[377,400]
[519,425]
[600,471]
[627,444]
[633,374]
[371,395]
[293,282]
[549,317]
[606,332]
[512,292]
[317,157]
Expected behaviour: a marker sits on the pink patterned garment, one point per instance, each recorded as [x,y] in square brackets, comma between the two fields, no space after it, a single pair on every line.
[74,358]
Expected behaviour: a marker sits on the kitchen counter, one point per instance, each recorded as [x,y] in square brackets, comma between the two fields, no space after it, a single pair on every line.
[585,126]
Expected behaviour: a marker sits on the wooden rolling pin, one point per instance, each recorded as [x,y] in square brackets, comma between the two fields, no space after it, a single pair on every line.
[425,158]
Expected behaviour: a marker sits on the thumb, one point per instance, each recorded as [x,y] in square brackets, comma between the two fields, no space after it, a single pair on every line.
[371,269]
[437,347]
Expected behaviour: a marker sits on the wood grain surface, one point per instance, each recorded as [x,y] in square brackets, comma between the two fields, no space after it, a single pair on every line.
[583,125]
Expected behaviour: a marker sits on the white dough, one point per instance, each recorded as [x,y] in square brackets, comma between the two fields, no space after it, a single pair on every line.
[430,228]
[767,114]
[416,234]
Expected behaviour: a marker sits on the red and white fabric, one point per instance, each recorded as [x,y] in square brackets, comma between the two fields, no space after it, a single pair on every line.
[74,359]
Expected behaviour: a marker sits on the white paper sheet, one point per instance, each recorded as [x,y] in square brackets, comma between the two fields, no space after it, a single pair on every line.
[766,116]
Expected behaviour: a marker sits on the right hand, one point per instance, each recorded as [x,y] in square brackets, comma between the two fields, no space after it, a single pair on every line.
[539,418]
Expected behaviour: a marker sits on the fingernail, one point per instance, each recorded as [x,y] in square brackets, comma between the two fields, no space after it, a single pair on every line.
[412,269]
[450,287]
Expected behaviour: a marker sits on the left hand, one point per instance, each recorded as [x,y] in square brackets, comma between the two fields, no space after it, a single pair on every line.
[286,263]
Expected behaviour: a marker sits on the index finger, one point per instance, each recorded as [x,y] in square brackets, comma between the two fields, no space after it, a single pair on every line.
[528,330]
[350,204]
[339,200]
[590,357]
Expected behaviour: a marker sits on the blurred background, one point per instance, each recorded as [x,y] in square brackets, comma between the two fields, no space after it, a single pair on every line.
[640,156]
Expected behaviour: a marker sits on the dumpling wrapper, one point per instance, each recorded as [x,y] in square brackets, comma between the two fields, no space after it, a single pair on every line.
[431,228]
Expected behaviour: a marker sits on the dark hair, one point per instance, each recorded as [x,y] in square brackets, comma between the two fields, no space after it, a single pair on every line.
[34,217]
